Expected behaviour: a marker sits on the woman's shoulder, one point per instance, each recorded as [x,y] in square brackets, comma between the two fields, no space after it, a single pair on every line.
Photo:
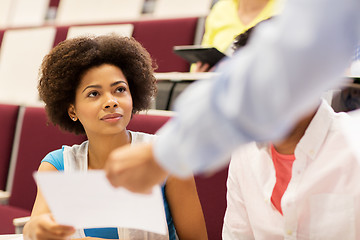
[54,154]
[55,158]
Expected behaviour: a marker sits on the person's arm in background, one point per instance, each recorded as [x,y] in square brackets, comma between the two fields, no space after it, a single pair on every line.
[221,25]
[261,91]
[200,67]
[288,62]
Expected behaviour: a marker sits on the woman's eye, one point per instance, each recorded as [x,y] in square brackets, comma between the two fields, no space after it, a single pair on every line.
[93,94]
[121,89]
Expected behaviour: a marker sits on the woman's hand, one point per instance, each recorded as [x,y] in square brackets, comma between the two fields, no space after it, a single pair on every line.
[44,227]
[201,67]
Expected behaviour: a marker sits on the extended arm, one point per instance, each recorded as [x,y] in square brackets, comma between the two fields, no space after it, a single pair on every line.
[287,64]
[285,67]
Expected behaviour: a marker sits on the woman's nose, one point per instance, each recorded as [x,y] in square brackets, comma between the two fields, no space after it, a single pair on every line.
[111,103]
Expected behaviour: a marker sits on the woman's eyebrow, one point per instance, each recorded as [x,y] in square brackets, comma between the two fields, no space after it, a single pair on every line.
[91,86]
[118,82]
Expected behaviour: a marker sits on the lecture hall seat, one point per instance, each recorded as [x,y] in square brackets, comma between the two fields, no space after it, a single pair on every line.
[147,123]
[182,8]
[212,194]
[7,213]
[2,31]
[25,13]
[161,35]
[98,30]
[158,36]
[21,54]
[36,138]
[72,12]
[8,116]
[5,6]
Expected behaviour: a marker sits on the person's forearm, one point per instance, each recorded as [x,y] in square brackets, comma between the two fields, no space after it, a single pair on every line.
[264,88]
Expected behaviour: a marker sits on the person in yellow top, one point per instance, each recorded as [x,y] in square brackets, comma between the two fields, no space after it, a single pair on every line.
[229,18]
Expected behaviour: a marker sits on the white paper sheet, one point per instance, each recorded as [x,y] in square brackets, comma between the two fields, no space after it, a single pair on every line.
[11,237]
[87,200]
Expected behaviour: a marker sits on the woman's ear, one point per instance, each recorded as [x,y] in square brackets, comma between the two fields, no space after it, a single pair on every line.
[71,112]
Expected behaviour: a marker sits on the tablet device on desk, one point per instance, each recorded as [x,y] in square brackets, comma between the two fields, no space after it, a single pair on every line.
[196,53]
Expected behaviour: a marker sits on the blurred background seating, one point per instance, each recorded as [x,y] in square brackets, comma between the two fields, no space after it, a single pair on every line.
[8,117]
[181,8]
[23,13]
[21,53]
[95,11]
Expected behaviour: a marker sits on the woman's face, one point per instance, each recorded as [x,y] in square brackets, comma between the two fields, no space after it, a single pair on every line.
[103,102]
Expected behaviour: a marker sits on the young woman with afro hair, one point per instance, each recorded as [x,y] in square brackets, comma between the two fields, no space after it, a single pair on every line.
[93,86]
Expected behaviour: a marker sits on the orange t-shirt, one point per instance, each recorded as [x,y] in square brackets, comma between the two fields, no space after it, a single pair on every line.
[283,167]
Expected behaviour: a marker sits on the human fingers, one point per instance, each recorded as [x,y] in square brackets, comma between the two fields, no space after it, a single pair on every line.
[197,67]
[45,227]
[134,168]
[204,67]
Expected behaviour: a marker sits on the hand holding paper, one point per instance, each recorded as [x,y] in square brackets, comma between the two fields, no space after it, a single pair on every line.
[87,200]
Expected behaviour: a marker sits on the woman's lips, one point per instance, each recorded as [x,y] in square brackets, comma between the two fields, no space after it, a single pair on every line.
[112,117]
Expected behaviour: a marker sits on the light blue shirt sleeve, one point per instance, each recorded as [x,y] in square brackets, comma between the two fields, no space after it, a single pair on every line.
[259,94]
